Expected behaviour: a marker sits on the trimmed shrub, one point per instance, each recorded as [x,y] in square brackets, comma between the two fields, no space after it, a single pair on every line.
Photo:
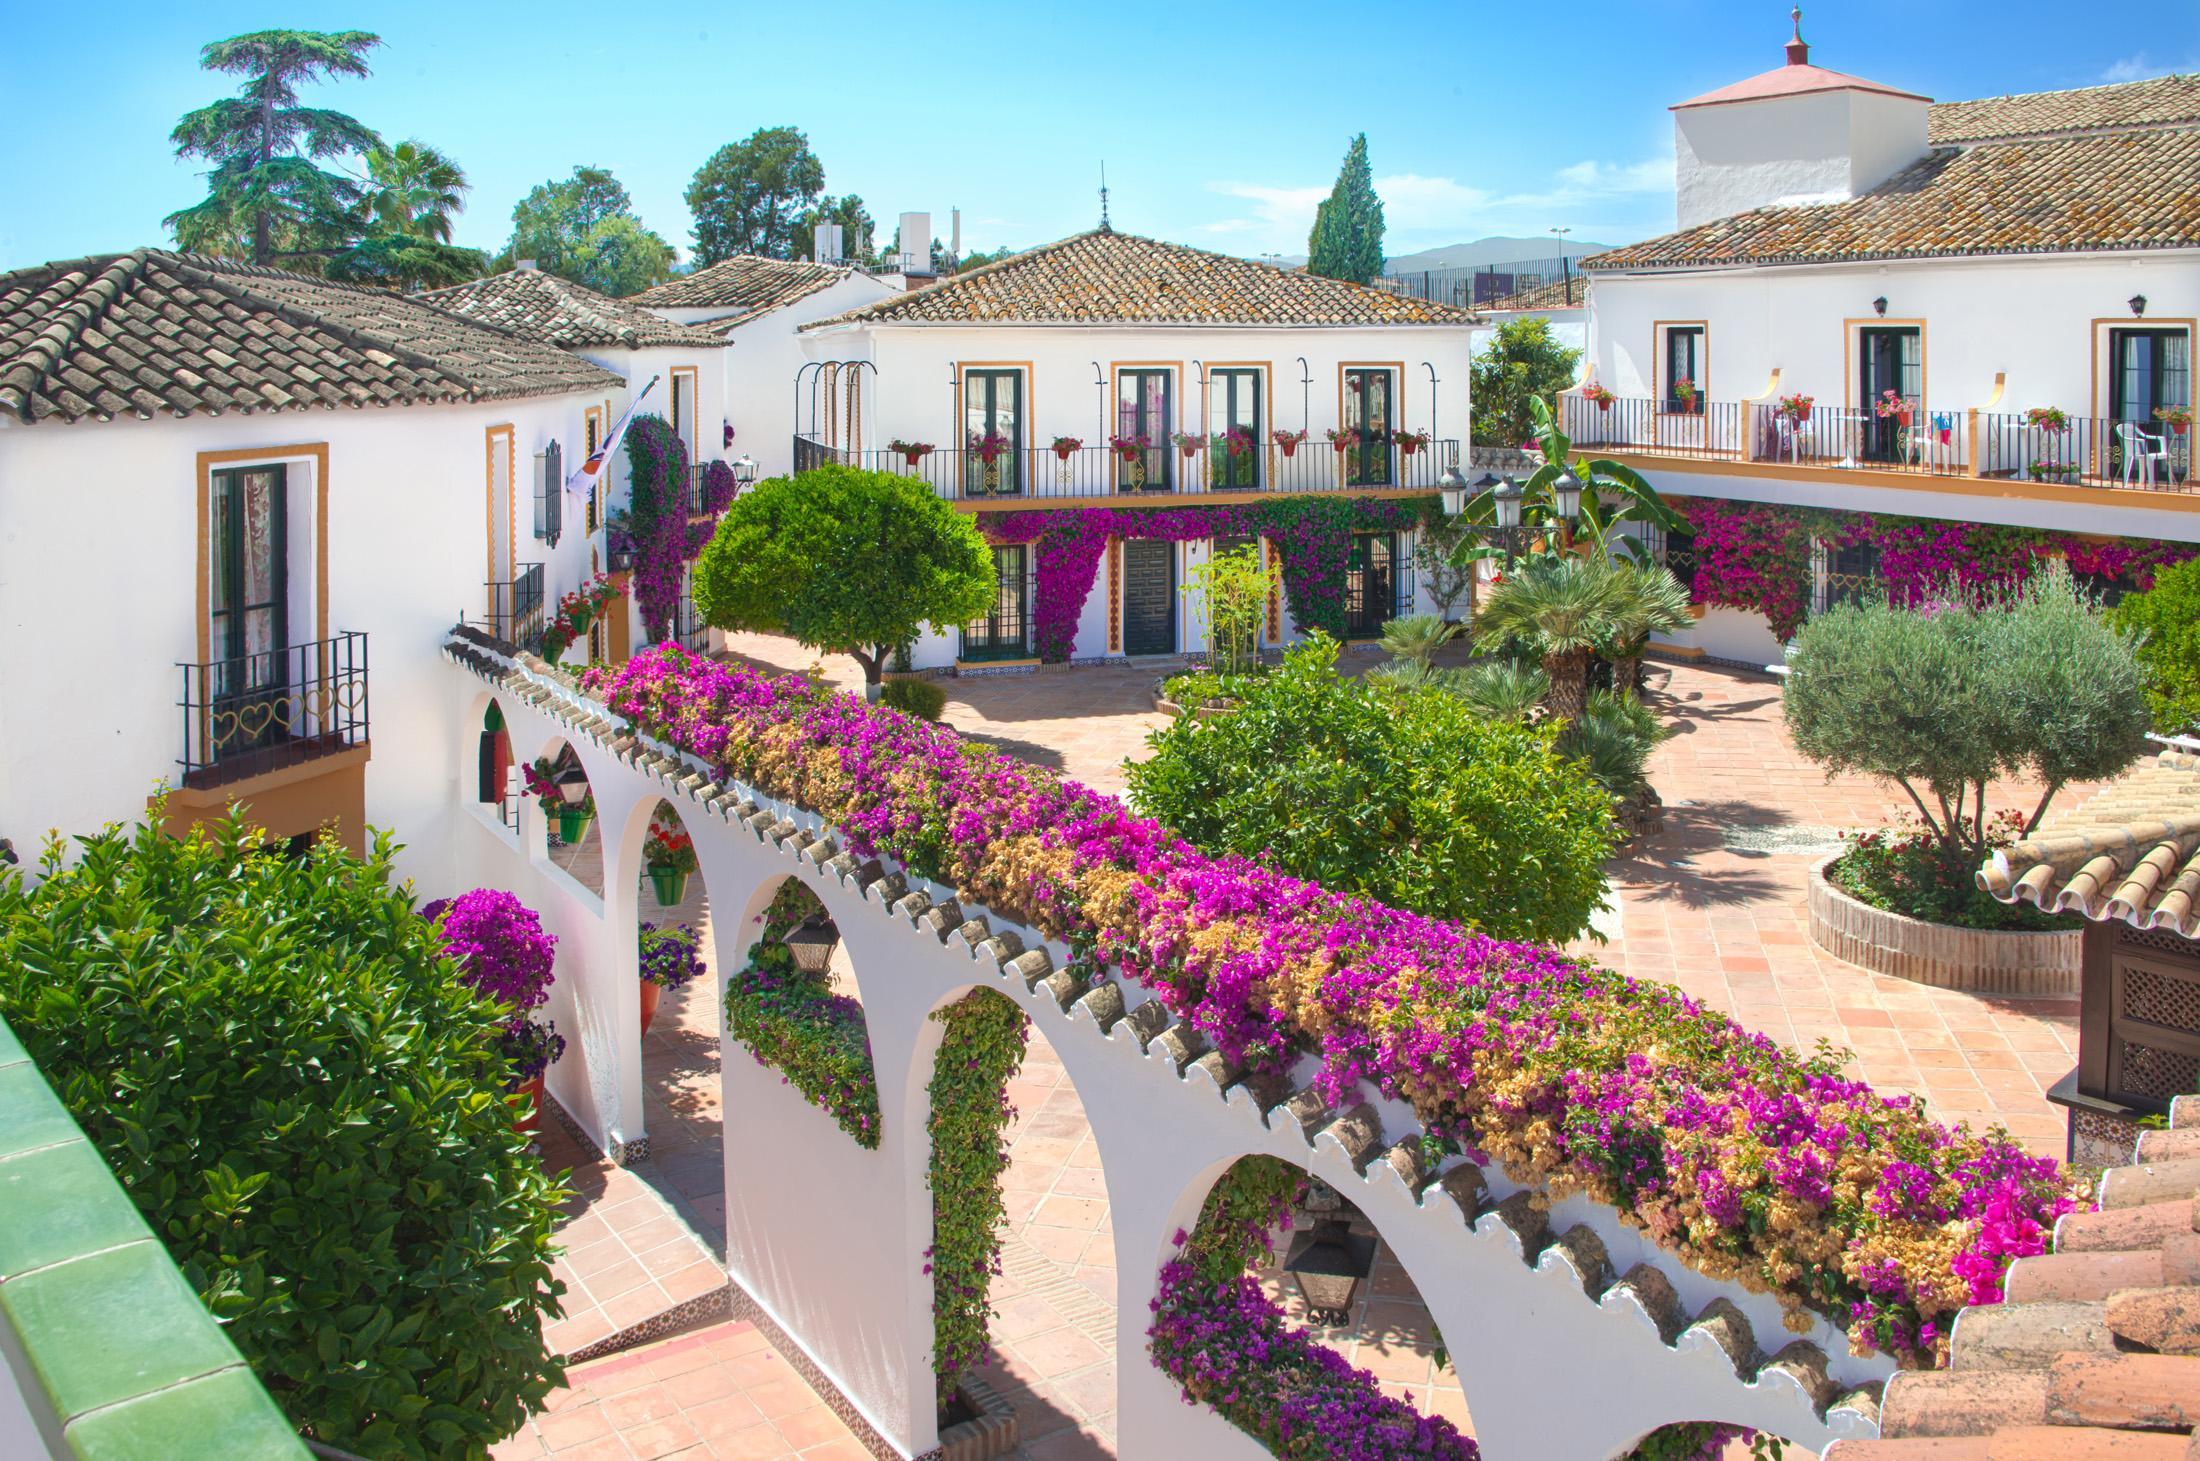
[2168,617]
[920,698]
[305,1099]
[1406,794]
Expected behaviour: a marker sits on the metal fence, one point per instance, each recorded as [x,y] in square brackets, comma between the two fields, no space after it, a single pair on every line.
[1483,283]
[515,607]
[1038,473]
[1704,429]
[261,711]
[2093,450]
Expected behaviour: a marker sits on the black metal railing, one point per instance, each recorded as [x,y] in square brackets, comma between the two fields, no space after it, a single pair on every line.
[1921,442]
[515,607]
[1038,473]
[1699,428]
[1484,283]
[2092,451]
[273,708]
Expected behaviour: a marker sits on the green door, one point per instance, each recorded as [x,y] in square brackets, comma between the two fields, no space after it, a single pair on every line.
[1005,630]
[993,433]
[1142,410]
[1370,585]
[1234,445]
[1367,407]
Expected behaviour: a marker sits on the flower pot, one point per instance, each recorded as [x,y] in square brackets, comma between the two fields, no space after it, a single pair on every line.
[651,993]
[573,824]
[911,458]
[527,1106]
[1190,450]
[582,617]
[670,884]
[2178,428]
[1288,447]
[1062,452]
[1603,405]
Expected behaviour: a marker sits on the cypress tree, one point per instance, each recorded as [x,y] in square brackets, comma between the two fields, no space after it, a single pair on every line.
[1347,241]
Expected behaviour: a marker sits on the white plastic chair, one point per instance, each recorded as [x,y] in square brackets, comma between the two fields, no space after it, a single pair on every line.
[2141,451]
[1792,435]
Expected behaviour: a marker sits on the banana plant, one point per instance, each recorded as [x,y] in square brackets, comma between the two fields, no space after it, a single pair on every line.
[1612,494]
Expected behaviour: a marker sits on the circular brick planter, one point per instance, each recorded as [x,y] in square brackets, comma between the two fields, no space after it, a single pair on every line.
[1976,960]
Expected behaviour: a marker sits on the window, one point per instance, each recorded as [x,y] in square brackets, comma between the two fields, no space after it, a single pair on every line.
[1142,409]
[2148,370]
[1367,408]
[248,591]
[1851,577]
[1684,362]
[1889,358]
[993,432]
[1004,631]
[502,549]
[1370,584]
[592,437]
[683,408]
[1234,419]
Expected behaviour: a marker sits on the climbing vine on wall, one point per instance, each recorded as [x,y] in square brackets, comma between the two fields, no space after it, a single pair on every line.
[1313,531]
[657,472]
[792,1021]
[982,1048]
[1756,556]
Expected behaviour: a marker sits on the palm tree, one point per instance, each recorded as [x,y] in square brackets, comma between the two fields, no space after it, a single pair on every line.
[265,187]
[1650,601]
[1505,689]
[1416,637]
[415,190]
[1562,606]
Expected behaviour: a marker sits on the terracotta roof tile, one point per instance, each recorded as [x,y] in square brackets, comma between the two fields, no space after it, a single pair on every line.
[1793,79]
[2162,101]
[2130,852]
[1105,277]
[749,283]
[541,306]
[2117,190]
[154,333]
[2046,1376]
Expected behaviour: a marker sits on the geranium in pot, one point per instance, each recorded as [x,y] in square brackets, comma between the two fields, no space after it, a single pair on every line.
[1130,450]
[669,957]
[1684,393]
[910,452]
[1795,409]
[2177,418]
[1189,443]
[1064,445]
[987,447]
[1600,394]
[1410,442]
[669,854]
[1287,441]
[1342,438]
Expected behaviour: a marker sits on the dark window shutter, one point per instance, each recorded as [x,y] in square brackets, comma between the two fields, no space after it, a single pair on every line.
[553,494]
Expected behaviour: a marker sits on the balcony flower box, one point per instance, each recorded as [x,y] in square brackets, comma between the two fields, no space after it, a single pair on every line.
[1064,445]
[1287,441]
[910,452]
[1410,442]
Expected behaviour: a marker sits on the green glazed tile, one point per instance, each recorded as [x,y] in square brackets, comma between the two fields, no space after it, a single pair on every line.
[112,1326]
[62,1202]
[224,1417]
[30,1115]
[11,1049]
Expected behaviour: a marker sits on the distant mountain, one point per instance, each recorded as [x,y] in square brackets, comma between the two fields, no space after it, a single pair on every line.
[1483,252]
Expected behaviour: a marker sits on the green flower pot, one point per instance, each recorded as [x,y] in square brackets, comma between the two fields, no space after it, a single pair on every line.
[573,824]
[580,619]
[670,884]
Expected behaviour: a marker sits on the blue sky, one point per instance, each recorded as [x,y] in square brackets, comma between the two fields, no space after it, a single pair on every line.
[1220,124]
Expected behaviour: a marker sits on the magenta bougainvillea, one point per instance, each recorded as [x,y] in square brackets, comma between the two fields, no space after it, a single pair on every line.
[1757,556]
[657,473]
[1313,533]
[1747,1160]
[499,945]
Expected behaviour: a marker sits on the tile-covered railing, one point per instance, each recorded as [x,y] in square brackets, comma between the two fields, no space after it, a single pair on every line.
[106,1353]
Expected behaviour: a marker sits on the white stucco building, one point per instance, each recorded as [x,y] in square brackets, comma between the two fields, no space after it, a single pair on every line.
[1014,378]
[294,488]
[1989,304]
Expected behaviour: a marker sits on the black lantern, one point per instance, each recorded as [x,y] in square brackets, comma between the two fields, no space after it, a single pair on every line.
[1329,1263]
[1453,486]
[1566,487]
[1879,306]
[2138,303]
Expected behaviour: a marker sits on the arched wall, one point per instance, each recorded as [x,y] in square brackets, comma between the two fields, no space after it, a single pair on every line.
[828,1238]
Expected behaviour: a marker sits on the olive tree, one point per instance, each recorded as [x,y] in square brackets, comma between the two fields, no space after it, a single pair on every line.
[1946,699]
[846,561]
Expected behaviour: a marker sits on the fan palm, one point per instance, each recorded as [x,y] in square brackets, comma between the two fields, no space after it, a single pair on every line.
[414,190]
[1613,737]
[1416,638]
[1650,601]
[1562,606]
[1504,689]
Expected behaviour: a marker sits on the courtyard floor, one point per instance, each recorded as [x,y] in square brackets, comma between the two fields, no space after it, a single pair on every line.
[1714,904]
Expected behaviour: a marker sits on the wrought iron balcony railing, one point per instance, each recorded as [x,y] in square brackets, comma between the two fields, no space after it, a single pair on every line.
[516,609]
[1038,473]
[273,708]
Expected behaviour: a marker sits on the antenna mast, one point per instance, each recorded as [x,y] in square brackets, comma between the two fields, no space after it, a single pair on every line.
[1104,226]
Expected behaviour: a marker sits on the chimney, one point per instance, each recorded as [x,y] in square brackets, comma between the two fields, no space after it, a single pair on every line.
[955,233]
[916,244]
[1798,49]
[826,247]
[525,266]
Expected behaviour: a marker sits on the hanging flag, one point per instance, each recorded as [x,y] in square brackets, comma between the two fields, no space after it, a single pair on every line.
[583,478]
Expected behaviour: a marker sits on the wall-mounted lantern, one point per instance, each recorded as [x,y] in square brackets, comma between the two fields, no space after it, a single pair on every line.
[1879,306]
[1329,1264]
[2138,303]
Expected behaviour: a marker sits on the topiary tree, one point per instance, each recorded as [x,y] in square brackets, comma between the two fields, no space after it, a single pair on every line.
[2166,621]
[306,1100]
[1404,793]
[1946,699]
[844,560]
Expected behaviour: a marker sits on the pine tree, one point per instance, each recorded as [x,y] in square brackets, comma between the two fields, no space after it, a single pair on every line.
[1347,241]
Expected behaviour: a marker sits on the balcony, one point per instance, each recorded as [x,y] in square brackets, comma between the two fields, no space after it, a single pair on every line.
[1031,474]
[271,710]
[1961,443]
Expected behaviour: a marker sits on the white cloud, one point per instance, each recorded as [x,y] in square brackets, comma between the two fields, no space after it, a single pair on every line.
[2134,67]
[1232,225]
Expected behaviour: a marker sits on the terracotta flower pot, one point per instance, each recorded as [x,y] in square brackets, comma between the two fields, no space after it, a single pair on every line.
[1062,452]
[527,1107]
[1603,404]
[1288,447]
[2180,427]
[670,885]
[651,993]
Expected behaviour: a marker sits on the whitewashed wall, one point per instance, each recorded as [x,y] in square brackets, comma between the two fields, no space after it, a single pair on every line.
[1818,147]
[829,1237]
[98,594]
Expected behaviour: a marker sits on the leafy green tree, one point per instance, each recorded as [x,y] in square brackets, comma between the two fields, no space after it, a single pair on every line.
[1347,239]
[1405,794]
[751,195]
[406,261]
[620,257]
[307,1102]
[1230,592]
[846,561]
[2168,616]
[856,228]
[1522,361]
[1942,702]
[267,196]
[414,190]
